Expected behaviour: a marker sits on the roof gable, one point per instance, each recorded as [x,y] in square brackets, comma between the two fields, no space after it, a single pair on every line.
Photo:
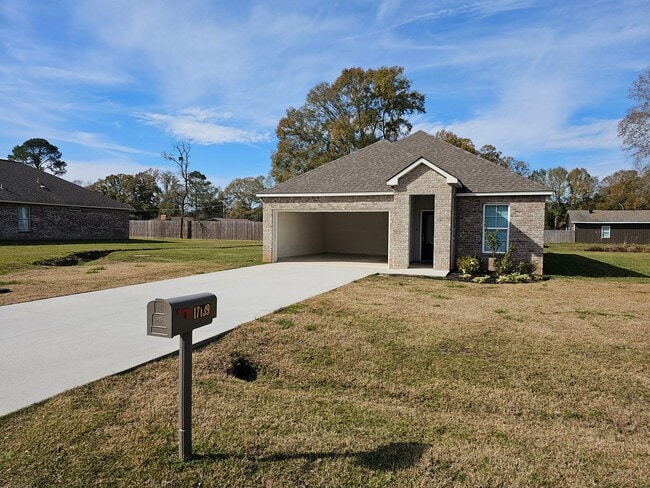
[373,169]
[23,184]
[476,175]
[451,180]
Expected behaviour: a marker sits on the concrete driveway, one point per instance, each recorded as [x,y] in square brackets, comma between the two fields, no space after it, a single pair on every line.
[49,346]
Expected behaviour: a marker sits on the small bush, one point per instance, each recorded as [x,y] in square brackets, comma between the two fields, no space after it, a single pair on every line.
[481,279]
[505,265]
[520,277]
[526,267]
[468,265]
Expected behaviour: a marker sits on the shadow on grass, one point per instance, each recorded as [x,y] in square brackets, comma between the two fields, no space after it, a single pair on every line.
[575,265]
[390,457]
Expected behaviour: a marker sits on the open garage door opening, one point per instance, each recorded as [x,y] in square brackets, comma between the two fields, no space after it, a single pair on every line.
[331,236]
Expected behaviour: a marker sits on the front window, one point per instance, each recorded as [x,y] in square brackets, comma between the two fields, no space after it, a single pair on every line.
[605,230]
[495,223]
[23,219]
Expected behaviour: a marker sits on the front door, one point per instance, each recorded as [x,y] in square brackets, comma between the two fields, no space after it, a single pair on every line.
[426,248]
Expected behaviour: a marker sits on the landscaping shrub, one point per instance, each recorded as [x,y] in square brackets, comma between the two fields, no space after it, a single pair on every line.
[526,267]
[481,279]
[505,264]
[618,248]
[468,265]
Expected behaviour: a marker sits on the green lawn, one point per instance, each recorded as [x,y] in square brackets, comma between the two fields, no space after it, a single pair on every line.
[16,256]
[573,260]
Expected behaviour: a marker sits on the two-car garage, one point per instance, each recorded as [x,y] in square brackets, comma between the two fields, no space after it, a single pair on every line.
[361,234]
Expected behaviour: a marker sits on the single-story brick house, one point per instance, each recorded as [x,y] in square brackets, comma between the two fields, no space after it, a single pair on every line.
[417,202]
[38,206]
[610,226]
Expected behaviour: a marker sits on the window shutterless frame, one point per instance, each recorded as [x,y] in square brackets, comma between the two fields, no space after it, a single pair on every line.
[605,232]
[496,217]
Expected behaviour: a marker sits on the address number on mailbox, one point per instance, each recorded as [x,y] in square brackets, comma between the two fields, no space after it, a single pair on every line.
[169,317]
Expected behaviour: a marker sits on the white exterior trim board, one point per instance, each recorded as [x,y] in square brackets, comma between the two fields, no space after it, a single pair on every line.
[349,194]
[508,194]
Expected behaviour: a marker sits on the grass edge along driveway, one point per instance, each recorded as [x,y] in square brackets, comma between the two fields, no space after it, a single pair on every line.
[119,264]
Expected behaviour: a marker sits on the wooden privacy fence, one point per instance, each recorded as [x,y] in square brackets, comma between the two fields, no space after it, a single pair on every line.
[236,230]
[559,236]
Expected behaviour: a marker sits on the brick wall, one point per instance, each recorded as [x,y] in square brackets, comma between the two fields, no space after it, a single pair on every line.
[526,227]
[64,223]
[526,219]
[422,181]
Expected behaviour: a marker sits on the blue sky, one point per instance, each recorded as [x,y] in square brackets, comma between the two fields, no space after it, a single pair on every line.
[114,83]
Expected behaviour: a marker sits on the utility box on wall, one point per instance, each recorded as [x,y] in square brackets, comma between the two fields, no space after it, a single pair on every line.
[174,316]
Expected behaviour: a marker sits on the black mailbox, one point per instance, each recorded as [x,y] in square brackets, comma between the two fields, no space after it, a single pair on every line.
[169,317]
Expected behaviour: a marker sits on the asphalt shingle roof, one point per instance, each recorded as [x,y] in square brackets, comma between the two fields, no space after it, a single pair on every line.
[368,169]
[609,216]
[20,183]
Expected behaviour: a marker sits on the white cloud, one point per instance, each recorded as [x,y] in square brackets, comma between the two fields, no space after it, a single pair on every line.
[200,126]
[96,141]
[89,171]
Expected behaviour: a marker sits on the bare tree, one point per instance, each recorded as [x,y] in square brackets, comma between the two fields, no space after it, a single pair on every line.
[634,128]
[180,155]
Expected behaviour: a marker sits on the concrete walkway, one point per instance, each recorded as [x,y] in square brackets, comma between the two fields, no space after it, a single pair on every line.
[49,346]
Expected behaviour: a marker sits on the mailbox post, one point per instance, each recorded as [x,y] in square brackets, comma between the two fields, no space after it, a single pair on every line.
[180,316]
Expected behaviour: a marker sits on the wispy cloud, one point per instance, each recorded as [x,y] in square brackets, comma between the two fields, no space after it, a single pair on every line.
[88,171]
[96,141]
[201,125]
[529,76]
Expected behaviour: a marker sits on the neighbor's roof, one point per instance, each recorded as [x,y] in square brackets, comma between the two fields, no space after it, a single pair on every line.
[24,184]
[369,169]
[609,216]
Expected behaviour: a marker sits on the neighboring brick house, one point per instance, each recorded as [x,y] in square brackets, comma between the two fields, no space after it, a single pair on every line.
[418,202]
[610,226]
[38,206]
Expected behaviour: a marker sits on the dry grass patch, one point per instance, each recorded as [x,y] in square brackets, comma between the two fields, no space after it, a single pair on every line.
[389,381]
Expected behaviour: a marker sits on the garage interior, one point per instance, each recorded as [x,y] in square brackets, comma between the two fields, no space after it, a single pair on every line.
[332,236]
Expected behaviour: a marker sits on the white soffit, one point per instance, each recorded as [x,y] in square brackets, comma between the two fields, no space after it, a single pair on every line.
[451,180]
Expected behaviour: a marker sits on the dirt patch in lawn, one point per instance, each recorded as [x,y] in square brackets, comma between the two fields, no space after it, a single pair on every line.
[73,259]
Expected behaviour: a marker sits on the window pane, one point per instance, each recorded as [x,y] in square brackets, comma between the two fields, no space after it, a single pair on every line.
[496,216]
[23,219]
[502,216]
[503,238]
